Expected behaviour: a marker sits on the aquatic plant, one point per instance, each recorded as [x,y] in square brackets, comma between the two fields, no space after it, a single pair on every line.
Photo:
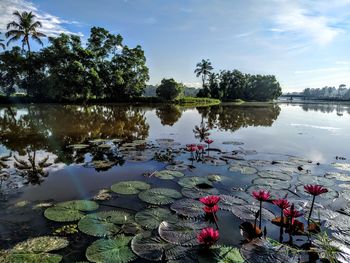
[292,213]
[282,204]
[314,190]
[261,196]
[208,237]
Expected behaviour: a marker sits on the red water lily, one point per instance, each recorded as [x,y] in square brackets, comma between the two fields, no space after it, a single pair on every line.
[208,236]
[190,145]
[209,141]
[261,195]
[192,148]
[281,203]
[315,190]
[292,213]
[201,147]
[211,209]
[210,200]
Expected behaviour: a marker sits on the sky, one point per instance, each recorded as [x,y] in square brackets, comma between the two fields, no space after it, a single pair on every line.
[305,44]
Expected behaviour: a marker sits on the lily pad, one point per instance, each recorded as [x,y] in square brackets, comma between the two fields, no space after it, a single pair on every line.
[338,176]
[181,233]
[215,177]
[243,169]
[331,194]
[309,179]
[233,142]
[259,163]
[339,223]
[102,165]
[168,174]
[275,193]
[110,250]
[160,196]
[196,192]
[188,208]
[262,251]
[272,183]
[102,195]
[275,175]
[342,166]
[214,161]
[130,187]
[221,254]
[177,167]
[154,248]
[192,181]
[247,212]
[104,224]
[227,201]
[70,210]
[151,218]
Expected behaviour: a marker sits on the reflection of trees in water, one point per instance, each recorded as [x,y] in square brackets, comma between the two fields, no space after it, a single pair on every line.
[326,108]
[168,114]
[53,127]
[235,117]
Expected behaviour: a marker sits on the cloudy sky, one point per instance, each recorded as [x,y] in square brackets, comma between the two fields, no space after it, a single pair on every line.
[304,43]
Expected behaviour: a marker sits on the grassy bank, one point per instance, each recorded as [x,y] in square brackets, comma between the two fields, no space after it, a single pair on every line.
[193,101]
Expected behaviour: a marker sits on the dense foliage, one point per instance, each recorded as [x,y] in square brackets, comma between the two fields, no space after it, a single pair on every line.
[231,85]
[68,70]
[169,89]
[331,93]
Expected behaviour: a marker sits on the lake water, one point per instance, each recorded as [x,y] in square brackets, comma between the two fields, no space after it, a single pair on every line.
[93,147]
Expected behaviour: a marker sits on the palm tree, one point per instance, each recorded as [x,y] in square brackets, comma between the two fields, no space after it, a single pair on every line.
[25,27]
[204,68]
[2,45]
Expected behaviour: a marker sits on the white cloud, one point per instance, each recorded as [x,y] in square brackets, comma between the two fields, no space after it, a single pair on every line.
[51,25]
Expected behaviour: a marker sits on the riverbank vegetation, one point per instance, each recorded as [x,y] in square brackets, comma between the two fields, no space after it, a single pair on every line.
[230,85]
[327,93]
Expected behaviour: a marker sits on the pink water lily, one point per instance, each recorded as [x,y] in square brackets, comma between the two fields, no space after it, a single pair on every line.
[292,213]
[211,209]
[209,141]
[210,200]
[261,196]
[208,237]
[281,203]
[314,190]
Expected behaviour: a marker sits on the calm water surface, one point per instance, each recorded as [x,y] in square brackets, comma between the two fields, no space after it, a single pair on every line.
[316,132]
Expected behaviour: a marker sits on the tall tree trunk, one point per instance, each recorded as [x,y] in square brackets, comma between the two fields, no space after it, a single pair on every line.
[28,45]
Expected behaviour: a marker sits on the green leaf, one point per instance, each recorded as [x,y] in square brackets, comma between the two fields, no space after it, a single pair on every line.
[104,224]
[243,169]
[196,192]
[110,250]
[70,210]
[151,218]
[168,174]
[221,254]
[160,196]
[188,207]
[130,187]
[193,181]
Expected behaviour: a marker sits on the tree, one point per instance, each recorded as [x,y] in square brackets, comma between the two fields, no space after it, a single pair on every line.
[203,69]
[24,27]
[2,45]
[169,89]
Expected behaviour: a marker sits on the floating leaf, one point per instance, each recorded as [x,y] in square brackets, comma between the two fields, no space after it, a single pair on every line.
[227,201]
[151,218]
[247,212]
[272,183]
[14,257]
[196,192]
[233,142]
[220,254]
[110,250]
[104,223]
[262,251]
[181,233]
[102,195]
[192,181]
[275,175]
[214,177]
[238,168]
[70,210]
[339,223]
[102,165]
[259,163]
[310,179]
[342,166]
[160,196]
[130,187]
[154,248]
[338,176]
[177,167]
[275,193]
[188,207]
[131,228]
[214,161]
[331,194]
[168,174]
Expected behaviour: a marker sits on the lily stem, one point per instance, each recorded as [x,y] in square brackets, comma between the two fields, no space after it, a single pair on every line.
[312,206]
[260,214]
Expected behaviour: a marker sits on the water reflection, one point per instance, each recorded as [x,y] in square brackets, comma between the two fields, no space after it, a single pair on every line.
[339,108]
[232,118]
[168,114]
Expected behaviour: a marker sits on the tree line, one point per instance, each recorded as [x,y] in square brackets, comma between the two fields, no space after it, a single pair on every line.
[328,93]
[230,85]
[67,69]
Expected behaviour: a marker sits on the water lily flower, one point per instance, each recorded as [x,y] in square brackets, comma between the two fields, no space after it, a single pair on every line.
[210,200]
[261,196]
[314,190]
[192,148]
[200,147]
[283,204]
[211,209]
[209,141]
[208,237]
[292,213]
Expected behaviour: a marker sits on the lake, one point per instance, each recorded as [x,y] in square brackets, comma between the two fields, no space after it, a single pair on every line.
[81,150]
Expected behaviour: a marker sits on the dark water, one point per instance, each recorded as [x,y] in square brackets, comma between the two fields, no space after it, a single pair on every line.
[316,132]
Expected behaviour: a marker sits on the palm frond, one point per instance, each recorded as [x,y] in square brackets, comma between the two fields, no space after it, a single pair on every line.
[13,24]
[37,39]
[14,38]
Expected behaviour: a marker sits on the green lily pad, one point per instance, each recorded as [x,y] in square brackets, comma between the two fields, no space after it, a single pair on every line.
[338,176]
[154,248]
[188,208]
[181,233]
[238,168]
[110,250]
[221,254]
[168,174]
[151,218]
[275,193]
[102,165]
[14,257]
[275,175]
[272,183]
[196,192]
[247,212]
[177,167]
[309,179]
[215,177]
[339,223]
[192,181]
[227,201]
[130,187]
[342,166]
[104,224]
[160,196]
[70,210]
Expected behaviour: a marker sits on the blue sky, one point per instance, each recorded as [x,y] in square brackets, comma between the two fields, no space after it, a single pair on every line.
[303,43]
